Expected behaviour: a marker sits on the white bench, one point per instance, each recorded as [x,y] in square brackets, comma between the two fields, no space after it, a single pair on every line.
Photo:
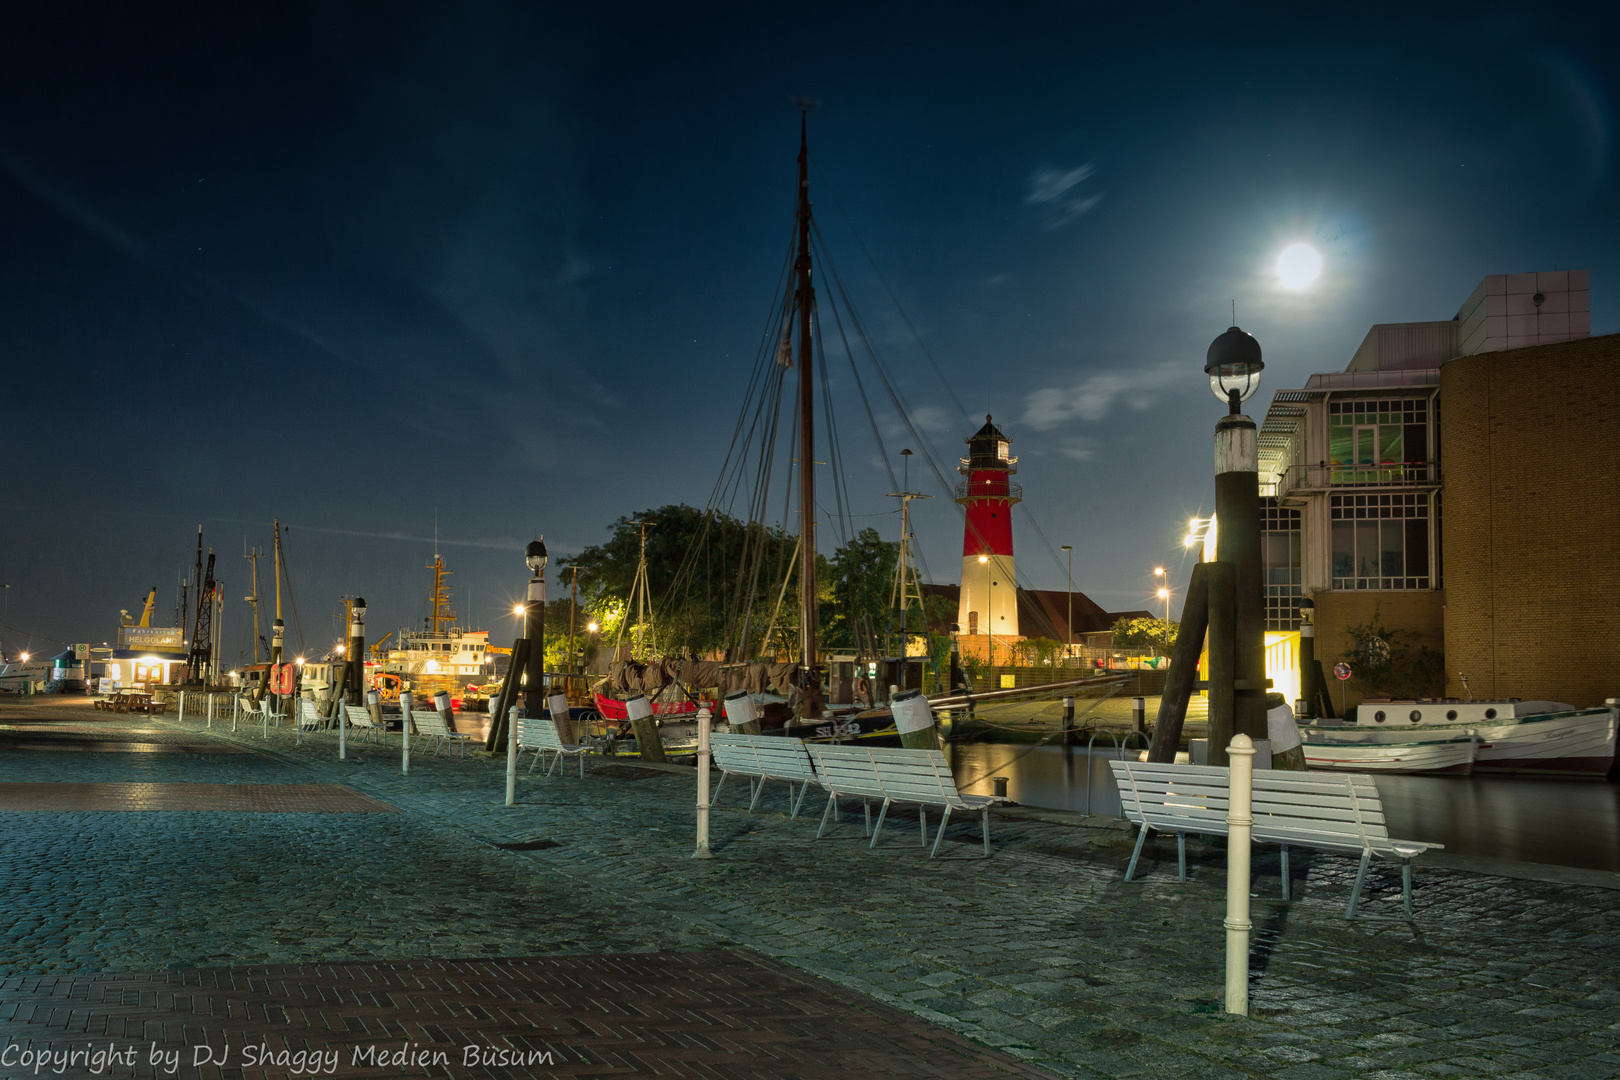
[540,735]
[309,716]
[762,758]
[1338,813]
[430,725]
[360,720]
[918,777]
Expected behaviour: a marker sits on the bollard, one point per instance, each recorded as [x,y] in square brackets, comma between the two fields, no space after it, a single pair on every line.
[1068,721]
[343,731]
[441,705]
[511,756]
[180,715]
[705,722]
[914,720]
[405,733]
[211,710]
[1139,714]
[265,706]
[741,713]
[645,725]
[557,706]
[374,707]
[1239,823]
[1000,785]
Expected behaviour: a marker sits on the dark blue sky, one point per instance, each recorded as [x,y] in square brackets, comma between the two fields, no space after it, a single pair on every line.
[354,265]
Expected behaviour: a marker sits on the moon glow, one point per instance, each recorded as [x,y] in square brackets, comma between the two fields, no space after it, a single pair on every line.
[1298,266]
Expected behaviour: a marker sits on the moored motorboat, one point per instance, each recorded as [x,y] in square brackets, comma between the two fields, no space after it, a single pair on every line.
[1512,736]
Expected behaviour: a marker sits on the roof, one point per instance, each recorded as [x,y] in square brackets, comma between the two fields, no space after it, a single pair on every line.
[1044,612]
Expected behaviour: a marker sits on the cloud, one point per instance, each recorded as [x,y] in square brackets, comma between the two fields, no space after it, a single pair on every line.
[1095,397]
[1054,192]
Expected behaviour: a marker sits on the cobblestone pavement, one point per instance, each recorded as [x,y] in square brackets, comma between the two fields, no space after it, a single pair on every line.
[1041,951]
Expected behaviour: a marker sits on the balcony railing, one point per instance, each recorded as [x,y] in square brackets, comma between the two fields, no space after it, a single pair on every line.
[989,489]
[1389,474]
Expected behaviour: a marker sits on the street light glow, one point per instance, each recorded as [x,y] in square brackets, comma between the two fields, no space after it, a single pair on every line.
[517,609]
[984,558]
[1164,594]
[592,627]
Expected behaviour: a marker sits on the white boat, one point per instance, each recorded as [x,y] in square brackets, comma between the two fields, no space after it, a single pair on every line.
[1513,736]
[1385,751]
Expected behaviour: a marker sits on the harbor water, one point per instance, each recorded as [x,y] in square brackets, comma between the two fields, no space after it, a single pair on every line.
[1563,822]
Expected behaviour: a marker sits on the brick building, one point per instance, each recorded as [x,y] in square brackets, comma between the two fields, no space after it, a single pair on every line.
[1491,537]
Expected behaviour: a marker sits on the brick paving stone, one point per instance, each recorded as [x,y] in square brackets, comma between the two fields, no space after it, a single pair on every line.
[716,1013]
[141,797]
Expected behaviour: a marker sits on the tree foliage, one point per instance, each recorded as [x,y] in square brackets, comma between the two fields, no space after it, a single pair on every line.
[854,607]
[1154,636]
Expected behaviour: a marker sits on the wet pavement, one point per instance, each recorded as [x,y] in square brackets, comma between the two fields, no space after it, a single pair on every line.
[1552,821]
[1040,955]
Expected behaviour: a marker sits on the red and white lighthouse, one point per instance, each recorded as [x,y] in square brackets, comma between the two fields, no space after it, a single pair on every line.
[989,601]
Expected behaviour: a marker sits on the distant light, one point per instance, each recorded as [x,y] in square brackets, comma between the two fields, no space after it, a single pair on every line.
[1190,541]
[1164,594]
[340,649]
[984,558]
[299,661]
[1298,266]
[591,627]
[1158,571]
[517,609]
[25,658]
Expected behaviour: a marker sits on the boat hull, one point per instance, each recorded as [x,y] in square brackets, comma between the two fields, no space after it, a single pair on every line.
[1454,756]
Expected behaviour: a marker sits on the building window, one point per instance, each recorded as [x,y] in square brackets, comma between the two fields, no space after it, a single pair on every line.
[1280,564]
[1380,541]
[1378,442]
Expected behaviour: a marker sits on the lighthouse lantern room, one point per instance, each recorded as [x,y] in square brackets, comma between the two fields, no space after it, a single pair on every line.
[989,600]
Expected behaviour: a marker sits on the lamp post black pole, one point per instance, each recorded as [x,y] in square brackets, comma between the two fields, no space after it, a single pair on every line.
[1068,586]
[356,653]
[1234,365]
[534,628]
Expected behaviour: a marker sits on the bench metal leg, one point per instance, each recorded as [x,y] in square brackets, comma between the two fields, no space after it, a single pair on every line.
[943,822]
[1406,886]
[866,808]
[883,813]
[984,824]
[1141,837]
[1355,893]
[799,801]
[556,763]
[1181,855]
[717,787]
[1285,872]
[758,788]
[581,757]
[922,819]
[831,802]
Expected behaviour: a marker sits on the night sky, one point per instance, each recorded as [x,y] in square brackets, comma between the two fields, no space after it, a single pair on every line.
[363,266]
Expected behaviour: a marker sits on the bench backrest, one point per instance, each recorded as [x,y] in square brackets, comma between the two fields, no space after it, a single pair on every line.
[307,710]
[913,776]
[358,716]
[538,733]
[429,722]
[773,756]
[1338,811]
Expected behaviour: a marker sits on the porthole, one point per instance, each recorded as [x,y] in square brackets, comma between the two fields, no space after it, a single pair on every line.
[1415,717]
[1379,716]
[1490,714]
[1451,714]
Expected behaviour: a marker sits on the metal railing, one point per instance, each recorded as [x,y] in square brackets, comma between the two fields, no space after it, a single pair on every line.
[1389,474]
[990,489]
[1119,746]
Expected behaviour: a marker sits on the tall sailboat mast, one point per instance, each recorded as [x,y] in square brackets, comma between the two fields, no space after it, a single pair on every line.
[807,434]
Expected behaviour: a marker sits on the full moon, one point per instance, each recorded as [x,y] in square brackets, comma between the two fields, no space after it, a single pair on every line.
[1298,266]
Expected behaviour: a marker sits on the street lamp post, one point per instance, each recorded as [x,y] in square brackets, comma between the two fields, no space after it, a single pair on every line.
[1162,575]
[1068,588]
[534,628]
[355,654]
[1233,366]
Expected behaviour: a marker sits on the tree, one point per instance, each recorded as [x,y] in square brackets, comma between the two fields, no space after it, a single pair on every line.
[860,580]
[705,571]
[1145,635]
[1038,650]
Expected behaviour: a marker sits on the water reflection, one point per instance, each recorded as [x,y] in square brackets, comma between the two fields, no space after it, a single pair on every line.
[1567,823]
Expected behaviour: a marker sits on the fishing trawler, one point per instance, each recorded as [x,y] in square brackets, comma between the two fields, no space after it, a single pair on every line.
[441,655]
